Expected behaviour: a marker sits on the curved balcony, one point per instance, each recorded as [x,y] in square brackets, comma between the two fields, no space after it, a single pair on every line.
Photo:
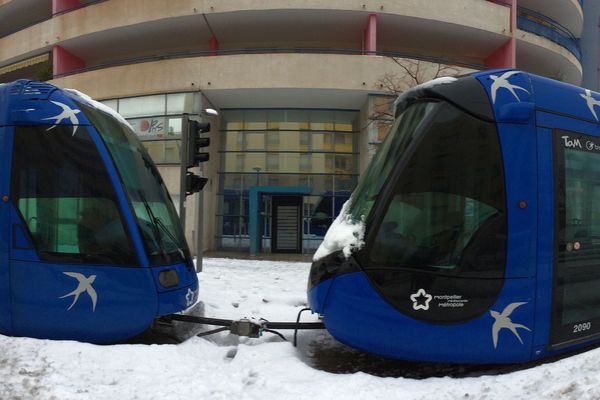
[265,52]
[16,15]
[541,25]
[236,77]
[110,30]
[567,13]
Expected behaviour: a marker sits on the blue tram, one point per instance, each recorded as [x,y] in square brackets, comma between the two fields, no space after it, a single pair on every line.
[91,247]
[482,227]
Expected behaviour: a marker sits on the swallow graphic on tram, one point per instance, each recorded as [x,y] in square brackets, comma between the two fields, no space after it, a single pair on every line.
[475,228]
[91,246]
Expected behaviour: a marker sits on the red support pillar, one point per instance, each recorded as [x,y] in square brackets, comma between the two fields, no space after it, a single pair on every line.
[503,57]
[64,62]
[213,44]
[506,55]
[59,6]
[370,35]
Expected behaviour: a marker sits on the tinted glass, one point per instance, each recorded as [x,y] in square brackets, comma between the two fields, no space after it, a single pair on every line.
[382,165]
[448,200]
[444,219]
[156,216]
[577,276]
[65,197]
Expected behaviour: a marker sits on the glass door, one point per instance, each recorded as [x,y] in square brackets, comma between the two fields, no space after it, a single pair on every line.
[576,291]
[287,227]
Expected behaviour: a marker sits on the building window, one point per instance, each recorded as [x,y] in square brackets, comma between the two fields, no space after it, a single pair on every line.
[157,121]
[286,147]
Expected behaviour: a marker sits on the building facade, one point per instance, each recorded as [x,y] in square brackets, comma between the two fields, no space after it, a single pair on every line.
[297,85]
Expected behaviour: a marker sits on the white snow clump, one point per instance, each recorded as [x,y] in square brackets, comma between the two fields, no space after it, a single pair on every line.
[344,234]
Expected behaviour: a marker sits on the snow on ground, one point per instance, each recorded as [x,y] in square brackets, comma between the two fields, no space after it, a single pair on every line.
[227,367]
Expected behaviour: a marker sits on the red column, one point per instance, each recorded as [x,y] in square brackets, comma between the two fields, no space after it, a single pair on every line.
[64,62]
[506,55]
[59,6]
[213,44]
[503,57]
[370,35]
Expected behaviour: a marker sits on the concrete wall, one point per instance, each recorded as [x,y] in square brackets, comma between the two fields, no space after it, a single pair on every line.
[590,45]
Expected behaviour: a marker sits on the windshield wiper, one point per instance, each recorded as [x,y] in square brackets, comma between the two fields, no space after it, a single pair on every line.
[170,235]
[157,225]
[155,230]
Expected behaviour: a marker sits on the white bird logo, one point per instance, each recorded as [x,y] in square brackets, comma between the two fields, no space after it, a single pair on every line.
[591,102]
[67,113]
[501,82]
[502,320]
[85,285]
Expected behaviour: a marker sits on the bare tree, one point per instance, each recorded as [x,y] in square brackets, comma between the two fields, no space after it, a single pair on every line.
[411,73]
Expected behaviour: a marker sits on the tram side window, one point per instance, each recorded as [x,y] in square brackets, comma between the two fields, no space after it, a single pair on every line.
[63,192]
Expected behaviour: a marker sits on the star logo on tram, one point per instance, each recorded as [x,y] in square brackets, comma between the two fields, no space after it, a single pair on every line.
[502,321]
[421,300]
[67,113]
[591,102]
[84,286]
[501,82]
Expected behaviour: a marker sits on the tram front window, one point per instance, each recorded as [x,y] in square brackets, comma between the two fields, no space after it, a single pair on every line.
[156,216]
[447,211]
[65,197]
[380,168]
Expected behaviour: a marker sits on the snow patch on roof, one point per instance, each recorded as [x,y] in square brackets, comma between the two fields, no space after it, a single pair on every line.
[100,106]
[344,234]
[443,80]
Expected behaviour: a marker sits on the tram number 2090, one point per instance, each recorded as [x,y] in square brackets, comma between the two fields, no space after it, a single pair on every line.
[585,326]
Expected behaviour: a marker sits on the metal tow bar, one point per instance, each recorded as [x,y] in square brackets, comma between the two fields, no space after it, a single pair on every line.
[248,327]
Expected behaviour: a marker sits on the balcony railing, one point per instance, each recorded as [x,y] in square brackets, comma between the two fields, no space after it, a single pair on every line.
[46,18]
[541,25]
[77,7]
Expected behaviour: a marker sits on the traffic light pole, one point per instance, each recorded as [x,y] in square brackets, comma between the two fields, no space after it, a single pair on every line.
[183,168]
[199,229]
[190,183]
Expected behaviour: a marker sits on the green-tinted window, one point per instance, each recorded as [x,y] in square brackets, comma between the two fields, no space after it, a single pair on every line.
[156,216]
[65,197]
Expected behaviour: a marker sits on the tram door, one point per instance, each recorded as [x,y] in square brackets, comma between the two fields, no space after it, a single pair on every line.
[286,228]
[576,290]
[5,314]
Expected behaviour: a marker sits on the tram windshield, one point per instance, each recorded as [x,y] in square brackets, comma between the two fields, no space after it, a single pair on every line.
[64,195]
[156,216]
[441,173]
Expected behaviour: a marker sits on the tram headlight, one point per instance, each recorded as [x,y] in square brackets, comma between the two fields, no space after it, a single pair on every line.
[168,278]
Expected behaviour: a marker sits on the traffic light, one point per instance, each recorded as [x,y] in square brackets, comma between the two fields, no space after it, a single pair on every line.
[194,183]
[195,143]
[193,155]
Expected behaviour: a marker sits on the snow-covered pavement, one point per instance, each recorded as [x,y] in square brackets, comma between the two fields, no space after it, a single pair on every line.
[226,367]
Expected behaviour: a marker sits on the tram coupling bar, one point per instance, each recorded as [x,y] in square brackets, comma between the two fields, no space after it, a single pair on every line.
[246,327]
